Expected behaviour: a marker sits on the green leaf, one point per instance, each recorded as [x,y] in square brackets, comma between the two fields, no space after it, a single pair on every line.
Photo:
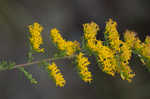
[4,65]
[28,75]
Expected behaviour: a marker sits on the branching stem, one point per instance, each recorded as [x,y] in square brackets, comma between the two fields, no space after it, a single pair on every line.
[48,59]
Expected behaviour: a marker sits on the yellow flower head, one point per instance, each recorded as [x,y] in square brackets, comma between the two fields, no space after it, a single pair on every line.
[112,34]
[36,38]
[90,30]
[57,76]
[82,65]
[68,46]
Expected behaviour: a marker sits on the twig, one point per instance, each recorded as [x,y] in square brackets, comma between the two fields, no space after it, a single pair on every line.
[48,59]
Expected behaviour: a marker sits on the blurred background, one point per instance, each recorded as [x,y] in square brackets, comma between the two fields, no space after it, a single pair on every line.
[68,16]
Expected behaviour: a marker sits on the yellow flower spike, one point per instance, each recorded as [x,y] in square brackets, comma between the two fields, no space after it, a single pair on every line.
[36,38]
[68,46]
[112,34]
[56,75]
[82,66]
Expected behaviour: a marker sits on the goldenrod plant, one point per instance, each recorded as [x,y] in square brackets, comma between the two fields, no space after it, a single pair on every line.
[112,54]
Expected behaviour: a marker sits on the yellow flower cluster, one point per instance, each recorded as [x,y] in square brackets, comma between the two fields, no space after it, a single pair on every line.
[104,54]
[57,76]
[106,57]
[112,54]
[82,65]
[113,59]
[36,39]
[112,34]
[121,49]
[68,46]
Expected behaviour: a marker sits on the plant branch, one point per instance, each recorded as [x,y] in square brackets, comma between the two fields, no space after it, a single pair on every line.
[48,59]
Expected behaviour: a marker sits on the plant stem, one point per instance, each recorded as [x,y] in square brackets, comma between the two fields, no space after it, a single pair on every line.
[48,59]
